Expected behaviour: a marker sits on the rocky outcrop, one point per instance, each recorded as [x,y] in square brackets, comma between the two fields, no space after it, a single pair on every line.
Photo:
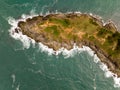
[35,29]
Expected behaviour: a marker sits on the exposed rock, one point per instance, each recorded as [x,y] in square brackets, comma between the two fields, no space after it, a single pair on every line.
[66,29]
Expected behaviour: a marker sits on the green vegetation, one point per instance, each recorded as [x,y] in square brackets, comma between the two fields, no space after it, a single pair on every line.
[102,32]
[53,30]
[63,22]
[77,28]
[93,22]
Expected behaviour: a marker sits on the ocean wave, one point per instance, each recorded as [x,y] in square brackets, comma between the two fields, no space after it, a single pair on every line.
[66,53]
[109,74]
[19,36]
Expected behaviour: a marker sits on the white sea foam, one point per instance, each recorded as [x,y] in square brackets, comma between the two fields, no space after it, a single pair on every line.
[64,51]
[19,36]
[109,74]
[96,59]
[13,79]
[67,53]
[44,48]
[18,87]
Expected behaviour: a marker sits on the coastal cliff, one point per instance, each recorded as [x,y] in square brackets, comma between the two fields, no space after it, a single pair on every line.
[63,30]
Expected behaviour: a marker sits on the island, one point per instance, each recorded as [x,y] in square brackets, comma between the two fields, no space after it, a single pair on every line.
[66,29]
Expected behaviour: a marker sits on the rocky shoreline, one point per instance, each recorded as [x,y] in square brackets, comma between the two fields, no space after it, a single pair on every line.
[103,57]
[26,29]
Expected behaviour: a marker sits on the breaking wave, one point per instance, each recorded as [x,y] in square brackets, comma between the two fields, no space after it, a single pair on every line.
[66,53]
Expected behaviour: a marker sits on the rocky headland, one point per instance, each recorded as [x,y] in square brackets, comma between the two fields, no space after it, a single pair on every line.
[65,30]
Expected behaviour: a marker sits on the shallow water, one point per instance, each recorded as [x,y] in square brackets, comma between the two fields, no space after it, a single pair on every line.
[31,69]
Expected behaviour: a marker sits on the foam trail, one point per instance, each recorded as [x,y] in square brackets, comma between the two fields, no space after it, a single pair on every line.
[32,12]
[17,88]
[13,78]
[109,74]
[66,53]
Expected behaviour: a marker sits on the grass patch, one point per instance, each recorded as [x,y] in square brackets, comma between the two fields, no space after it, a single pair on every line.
[93,22]
[53,30]
[102,32]
[63,22]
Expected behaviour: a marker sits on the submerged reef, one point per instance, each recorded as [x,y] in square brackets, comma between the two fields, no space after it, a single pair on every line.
[65,30]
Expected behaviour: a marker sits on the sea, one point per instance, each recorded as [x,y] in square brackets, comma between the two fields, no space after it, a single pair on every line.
[26,65]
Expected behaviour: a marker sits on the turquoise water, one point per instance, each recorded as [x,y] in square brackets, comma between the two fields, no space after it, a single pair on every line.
[31,69]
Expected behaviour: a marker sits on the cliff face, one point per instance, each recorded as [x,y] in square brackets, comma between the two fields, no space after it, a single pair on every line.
[63,30]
